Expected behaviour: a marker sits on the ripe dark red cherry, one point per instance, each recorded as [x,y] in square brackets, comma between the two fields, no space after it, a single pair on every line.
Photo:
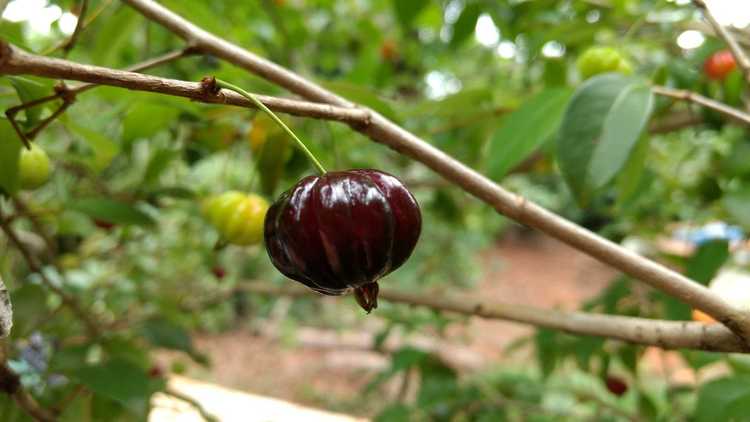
[616,385]
[343,230]
[218,272]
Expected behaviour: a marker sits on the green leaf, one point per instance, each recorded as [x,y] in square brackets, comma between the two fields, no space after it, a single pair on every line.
[146,119]
[111,211]
[10,148]
[707,260]
[362,95]
[546,350]
[115,35]
[13,33]
[166,334]
[271,160]
[720,399]
[737,205]
[103,148]
[394,413]
[631,177]
[465,24]
[28,308]
[29,89]
[583,128]
[157,164]
[407,11]
[524,130]
[78,410]
[622,128]
[119,381]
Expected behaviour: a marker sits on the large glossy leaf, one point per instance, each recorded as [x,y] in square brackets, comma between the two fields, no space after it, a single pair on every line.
[622,128]
[602,123]
[111,211]
[722,399]
[524,130]
[10,147]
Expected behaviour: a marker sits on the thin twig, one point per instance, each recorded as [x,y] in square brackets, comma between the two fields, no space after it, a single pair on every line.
[81,24]
[16,61]
[693,97]
[68,45]
[191,401]
[739,55]
[70,301]
[650,332]
[69,95]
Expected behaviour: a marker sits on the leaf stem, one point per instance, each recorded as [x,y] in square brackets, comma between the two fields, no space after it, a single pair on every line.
[257,102]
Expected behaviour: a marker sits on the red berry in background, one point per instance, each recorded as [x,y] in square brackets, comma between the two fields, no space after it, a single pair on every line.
[219,272]
[343,230]
[155,372]
[102,224]
[719,65]
[616,385]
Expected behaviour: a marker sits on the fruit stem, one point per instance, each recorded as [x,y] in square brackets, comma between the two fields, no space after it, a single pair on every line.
[260,105]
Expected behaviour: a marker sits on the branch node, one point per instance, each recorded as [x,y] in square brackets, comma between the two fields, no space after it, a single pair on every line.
[209,86]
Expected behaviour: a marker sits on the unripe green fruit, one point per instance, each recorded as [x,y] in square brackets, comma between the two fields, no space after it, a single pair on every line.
[238,217]
[598,60]
[33,167]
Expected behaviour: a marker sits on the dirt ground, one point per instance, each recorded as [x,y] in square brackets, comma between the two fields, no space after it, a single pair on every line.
[329,369]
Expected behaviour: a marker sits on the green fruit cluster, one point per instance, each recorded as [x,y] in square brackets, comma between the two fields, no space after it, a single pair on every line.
[598,60]
[238,217]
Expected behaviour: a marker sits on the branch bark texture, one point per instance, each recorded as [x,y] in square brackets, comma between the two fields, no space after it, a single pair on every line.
[649,332]
[14,61]
[518,208]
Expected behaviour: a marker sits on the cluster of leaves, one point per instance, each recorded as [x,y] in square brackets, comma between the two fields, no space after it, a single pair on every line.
[130,168]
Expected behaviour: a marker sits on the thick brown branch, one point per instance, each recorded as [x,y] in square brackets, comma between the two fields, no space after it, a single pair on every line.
[693,97]
[388,133]
[739,55]
[16,61]
[79,27]
[660,333]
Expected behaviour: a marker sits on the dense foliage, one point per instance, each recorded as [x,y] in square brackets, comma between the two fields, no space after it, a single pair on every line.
[119,225]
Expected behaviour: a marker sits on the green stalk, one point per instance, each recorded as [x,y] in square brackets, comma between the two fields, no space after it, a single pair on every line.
[260,105]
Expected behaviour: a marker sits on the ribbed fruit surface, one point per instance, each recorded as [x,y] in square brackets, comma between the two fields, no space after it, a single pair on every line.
[238,217]
[343,230]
